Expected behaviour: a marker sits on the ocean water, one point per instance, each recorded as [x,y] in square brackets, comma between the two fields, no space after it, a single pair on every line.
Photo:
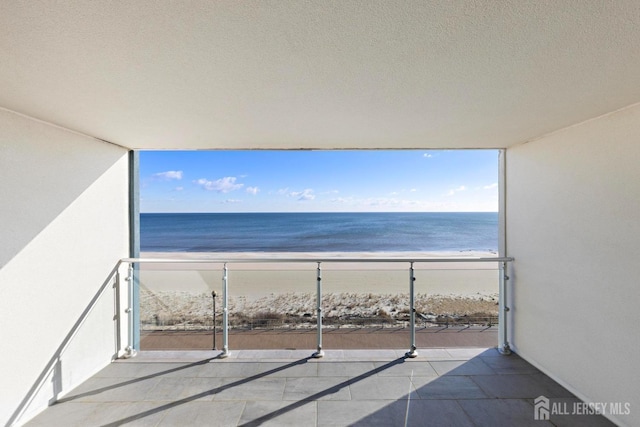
[319,232]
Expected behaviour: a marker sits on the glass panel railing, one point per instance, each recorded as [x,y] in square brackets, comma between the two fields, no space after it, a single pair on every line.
[272,306]
[177,306]
[365,305]
[456,304]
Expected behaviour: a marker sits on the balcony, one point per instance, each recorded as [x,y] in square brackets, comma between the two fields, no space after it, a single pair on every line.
[445,382]
[556,87]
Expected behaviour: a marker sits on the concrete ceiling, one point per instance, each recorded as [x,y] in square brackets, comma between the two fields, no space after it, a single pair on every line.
[155,74]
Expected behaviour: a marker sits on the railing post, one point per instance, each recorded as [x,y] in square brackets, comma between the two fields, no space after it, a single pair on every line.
[116,313]
[214,295]
[225,312]
[130,350]
[319,352]
[503,340]
[412,314]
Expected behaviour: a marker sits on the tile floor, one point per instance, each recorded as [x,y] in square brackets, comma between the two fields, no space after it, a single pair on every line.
[442,387]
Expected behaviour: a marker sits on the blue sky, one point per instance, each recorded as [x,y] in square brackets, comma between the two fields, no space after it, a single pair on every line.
[319,181]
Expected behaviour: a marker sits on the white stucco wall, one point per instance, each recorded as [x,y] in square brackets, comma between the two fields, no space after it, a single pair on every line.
[63,226]
[573,226]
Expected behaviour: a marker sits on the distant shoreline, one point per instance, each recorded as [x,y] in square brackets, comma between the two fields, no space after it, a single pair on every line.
[314,256]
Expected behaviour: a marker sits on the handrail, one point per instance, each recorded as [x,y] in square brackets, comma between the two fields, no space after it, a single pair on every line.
[503,344]
[49,366]
[308,260]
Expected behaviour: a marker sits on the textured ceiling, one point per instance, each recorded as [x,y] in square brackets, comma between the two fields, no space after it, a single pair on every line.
[318,74]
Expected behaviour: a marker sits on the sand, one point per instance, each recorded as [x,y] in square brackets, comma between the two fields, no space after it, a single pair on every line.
[257,279]
[179,295]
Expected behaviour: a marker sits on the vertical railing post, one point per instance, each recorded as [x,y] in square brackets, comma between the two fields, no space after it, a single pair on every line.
[319,352]
[130,350]
[225,312]
[214,295]
[116,313]
[412,314]
[503,309]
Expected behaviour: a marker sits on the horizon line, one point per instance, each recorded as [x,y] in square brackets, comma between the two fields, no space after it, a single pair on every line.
[318,212]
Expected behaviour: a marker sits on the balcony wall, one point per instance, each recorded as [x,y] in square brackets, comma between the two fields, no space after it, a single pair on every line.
[63,225]
[573,225]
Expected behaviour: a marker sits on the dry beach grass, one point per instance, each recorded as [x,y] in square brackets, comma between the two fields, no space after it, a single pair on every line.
[186,310]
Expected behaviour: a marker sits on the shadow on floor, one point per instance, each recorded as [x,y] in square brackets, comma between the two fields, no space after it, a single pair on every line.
[485,389]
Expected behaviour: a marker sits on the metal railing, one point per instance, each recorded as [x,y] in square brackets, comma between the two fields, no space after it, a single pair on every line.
[503,262]
[114,279]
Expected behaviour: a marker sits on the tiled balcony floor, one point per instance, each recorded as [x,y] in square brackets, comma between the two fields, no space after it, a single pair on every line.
[442,387]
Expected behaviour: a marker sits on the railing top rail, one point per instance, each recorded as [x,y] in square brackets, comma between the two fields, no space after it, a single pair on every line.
[312,260]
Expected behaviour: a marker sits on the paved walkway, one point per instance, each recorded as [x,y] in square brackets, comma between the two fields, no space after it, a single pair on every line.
[453,387]
[343,338]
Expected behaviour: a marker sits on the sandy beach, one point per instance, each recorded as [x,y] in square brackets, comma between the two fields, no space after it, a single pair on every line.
[284,292]
[258,279]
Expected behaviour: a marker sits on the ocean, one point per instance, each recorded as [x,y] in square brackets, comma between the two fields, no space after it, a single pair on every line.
[319,232]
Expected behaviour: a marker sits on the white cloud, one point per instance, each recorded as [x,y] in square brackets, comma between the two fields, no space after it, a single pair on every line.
[252,190]
[222,185]
[491,186]
[427,155]
[233,201]
[179,188]
[413,190]
[168,175]
[456,190]
[398,204]
[306,194]
[342,200]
